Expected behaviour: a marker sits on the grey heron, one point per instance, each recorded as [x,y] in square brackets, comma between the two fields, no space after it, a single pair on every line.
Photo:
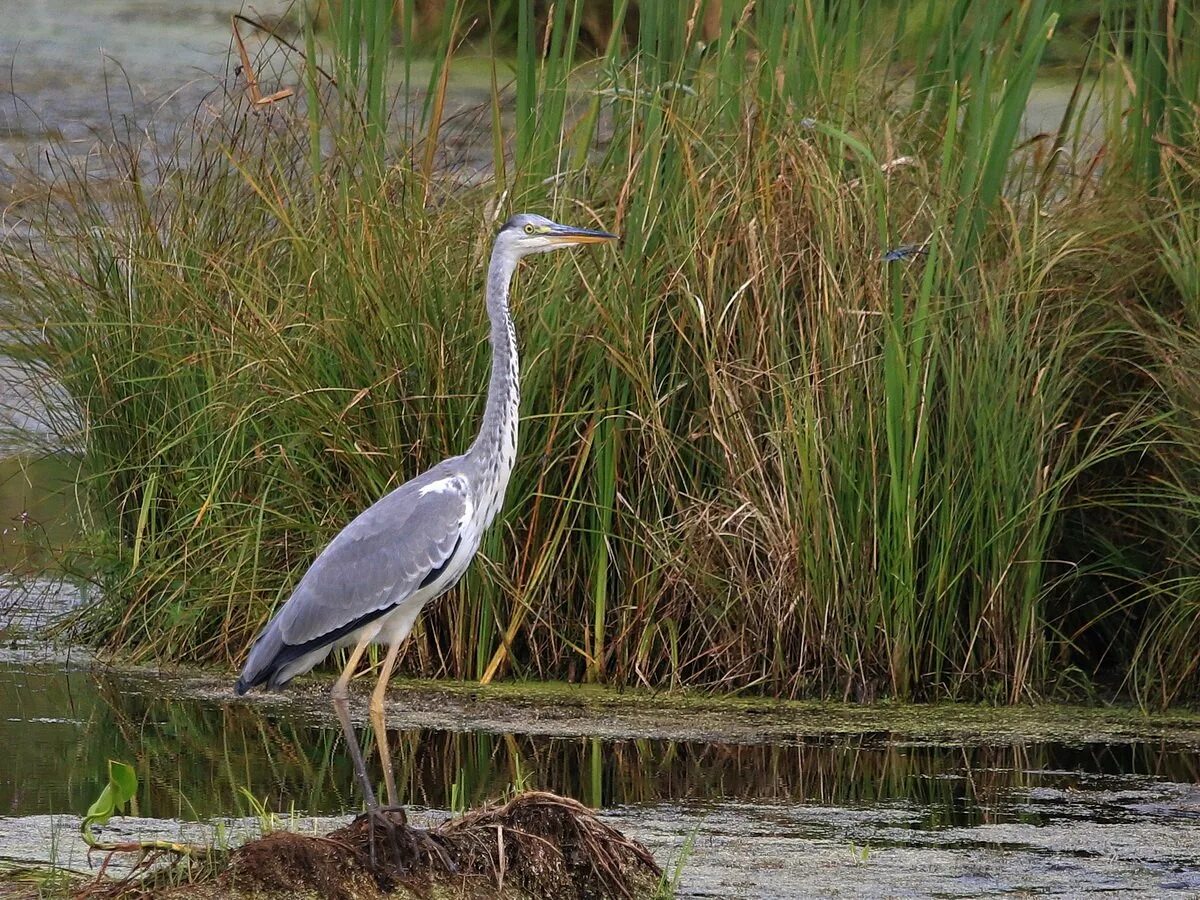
[372,580]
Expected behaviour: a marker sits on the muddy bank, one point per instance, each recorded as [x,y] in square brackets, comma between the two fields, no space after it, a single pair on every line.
[564,710]
[534,845]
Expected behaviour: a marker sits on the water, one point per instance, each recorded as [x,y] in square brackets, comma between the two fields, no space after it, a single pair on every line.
[857,812]
[131,61]
[145,70]
[62,724]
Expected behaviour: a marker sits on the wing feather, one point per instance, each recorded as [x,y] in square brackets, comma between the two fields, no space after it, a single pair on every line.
[377,560]
[389,552]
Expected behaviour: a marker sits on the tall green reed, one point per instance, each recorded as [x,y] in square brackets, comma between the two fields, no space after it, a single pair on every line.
[361,33]
[758,451]
[1155,48]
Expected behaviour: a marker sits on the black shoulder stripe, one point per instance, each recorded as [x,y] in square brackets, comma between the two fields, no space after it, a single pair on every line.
[290,652]
[435,574]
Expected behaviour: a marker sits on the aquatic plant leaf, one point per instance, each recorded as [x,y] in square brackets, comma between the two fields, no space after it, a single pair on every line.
[121,788]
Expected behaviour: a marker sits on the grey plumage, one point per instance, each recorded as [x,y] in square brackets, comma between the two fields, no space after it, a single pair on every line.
[372,580]
[398,550]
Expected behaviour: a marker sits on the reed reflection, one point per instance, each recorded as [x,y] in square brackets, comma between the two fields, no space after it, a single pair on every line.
[194,757]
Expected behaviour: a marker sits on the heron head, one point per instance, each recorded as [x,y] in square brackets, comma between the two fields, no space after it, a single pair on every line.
[527,233]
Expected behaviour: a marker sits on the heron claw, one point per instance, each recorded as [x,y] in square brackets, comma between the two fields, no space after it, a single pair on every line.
[385,817]
[381,817]
[395,810]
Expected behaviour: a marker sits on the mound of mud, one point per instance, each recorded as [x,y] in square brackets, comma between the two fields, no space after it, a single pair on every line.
[536,845]
[295,865]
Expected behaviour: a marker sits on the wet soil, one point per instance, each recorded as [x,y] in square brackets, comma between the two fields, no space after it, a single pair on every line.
[557,709]
[535,844]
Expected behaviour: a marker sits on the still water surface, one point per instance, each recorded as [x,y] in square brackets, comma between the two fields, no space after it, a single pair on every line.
[61,725]
[825,815]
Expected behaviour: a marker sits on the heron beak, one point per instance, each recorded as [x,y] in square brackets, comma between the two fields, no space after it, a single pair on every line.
[566,235]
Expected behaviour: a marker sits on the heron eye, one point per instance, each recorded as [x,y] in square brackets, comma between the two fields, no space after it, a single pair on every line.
[529,229]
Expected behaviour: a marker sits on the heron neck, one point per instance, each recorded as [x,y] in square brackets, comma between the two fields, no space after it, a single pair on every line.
[498,434]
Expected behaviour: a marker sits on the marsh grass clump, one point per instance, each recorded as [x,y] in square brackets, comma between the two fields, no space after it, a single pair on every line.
[548,845]
[765,449]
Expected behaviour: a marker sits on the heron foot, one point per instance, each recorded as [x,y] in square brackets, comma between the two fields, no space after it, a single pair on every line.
[422,837]
[391,819]
[382,818]
[379,813]
[396,810]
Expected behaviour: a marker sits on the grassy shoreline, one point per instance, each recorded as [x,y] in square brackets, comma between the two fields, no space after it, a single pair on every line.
[764,449]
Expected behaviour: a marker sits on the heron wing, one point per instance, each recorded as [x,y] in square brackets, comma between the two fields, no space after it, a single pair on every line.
[381,558]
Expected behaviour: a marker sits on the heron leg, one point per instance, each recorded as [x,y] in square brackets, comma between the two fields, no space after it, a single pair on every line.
[341,706]
[380,724]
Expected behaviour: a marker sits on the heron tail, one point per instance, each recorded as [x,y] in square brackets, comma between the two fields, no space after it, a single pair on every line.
[261,664]
[274,662]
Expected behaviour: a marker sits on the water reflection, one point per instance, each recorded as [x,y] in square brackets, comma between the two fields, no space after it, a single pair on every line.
[37,520]
[195,756]
[37,511]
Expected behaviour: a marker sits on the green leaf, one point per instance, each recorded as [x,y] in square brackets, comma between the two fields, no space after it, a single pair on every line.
[121,788]
[123,779]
